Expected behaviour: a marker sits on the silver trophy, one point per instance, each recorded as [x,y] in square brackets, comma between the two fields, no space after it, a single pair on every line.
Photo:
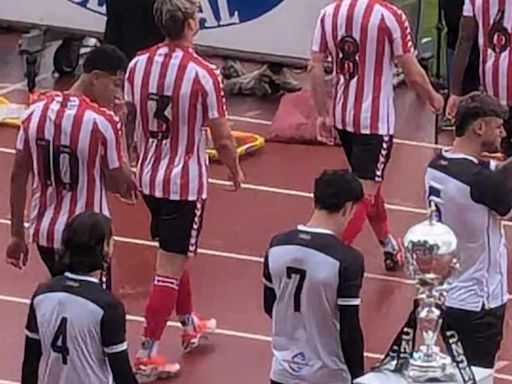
[430,260]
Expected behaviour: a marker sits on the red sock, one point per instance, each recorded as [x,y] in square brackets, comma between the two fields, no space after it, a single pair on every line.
[378,218]
[160,306]
[356,222]
[184,301]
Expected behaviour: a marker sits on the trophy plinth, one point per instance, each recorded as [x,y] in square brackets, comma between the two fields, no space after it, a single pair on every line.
[430,260]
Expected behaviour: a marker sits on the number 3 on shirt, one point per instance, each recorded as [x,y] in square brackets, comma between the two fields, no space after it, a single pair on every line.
[59,343]
[301,273]
[159,105]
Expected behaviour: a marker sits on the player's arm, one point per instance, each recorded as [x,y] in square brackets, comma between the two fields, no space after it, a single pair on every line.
[17,251]
[115,165]
[316,68]
[214,104]
[131,111]
[269,294]
[351,334]
[33,352]
[467,32]
[493,189]
[113,337]
[404,55]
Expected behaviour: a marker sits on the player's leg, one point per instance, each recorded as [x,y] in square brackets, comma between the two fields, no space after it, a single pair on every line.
[49,257]
[370,156]
[480,333]
[193,326]
[171,259]
[356,222]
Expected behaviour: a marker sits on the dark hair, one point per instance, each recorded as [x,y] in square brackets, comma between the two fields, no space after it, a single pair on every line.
[171,16]
[83,242]
[475,106]
[335,188]
[106,58]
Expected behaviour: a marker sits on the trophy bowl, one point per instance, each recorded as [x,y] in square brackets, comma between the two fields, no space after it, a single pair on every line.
[430,259]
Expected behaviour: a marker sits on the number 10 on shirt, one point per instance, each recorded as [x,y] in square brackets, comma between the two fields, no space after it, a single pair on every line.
[301,278]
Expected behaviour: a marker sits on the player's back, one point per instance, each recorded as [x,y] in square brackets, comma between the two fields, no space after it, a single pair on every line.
[69,139]
[494,19]
[174,92]
[363,37]
[70,312]
[305,267]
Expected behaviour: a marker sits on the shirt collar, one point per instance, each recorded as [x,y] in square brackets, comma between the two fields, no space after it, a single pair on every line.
[72,276]
[305,228]
[449,153]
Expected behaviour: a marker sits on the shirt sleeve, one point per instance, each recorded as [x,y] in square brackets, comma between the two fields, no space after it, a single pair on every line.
[351,275]
[319,43]
[113,328]
[400,31]
[269,294]
[214,102]
[468,8]
[111,130]
[491,190]
[31,327]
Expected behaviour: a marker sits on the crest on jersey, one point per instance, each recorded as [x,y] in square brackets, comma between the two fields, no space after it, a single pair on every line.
[499,36]
[212,13]
[348,65]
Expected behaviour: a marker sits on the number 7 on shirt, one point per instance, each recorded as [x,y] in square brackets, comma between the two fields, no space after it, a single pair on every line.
[301,273]
[434,197]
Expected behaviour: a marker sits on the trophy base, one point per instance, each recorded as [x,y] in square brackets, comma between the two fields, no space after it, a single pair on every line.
[437,368]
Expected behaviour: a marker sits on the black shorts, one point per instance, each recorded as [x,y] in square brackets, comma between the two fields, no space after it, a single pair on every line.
[176,224]
[480,333]
[368,155]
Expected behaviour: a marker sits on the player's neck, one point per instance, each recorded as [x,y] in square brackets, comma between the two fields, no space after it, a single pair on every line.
[323,220]
[80,88]
[468,147]
[181,42]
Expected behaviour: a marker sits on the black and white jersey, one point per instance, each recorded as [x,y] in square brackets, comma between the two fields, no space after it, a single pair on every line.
[312,274]
[472,199]
[78,323]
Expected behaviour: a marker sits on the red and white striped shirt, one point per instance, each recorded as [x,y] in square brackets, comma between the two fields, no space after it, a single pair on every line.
[175,93]
[363,37]
[69,140]
[494,19]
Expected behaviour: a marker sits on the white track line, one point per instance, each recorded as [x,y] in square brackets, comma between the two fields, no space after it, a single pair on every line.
[226,332]
[22,84]
[397,141]
[236,256]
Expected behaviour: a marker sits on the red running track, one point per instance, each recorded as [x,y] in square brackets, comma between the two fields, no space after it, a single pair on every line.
[226,275]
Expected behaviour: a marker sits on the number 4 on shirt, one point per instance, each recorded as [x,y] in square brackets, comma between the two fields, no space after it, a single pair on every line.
[301,273]
[59,343]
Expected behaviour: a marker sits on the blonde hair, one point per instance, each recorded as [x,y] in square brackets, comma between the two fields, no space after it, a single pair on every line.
[171,16]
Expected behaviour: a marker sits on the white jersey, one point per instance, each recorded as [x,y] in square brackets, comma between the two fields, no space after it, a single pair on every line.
[78,323]
[312,274]
[472,200]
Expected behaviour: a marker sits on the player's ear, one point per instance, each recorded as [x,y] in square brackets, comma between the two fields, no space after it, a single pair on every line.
[479,127]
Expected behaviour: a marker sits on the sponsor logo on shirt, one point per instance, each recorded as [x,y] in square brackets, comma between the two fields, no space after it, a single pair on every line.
[213,13]
[298,363]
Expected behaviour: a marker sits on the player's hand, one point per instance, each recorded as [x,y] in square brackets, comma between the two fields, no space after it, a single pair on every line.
[129,194]
[17,253]
[451,106]
[324,130]
[436,104]
[120,109]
